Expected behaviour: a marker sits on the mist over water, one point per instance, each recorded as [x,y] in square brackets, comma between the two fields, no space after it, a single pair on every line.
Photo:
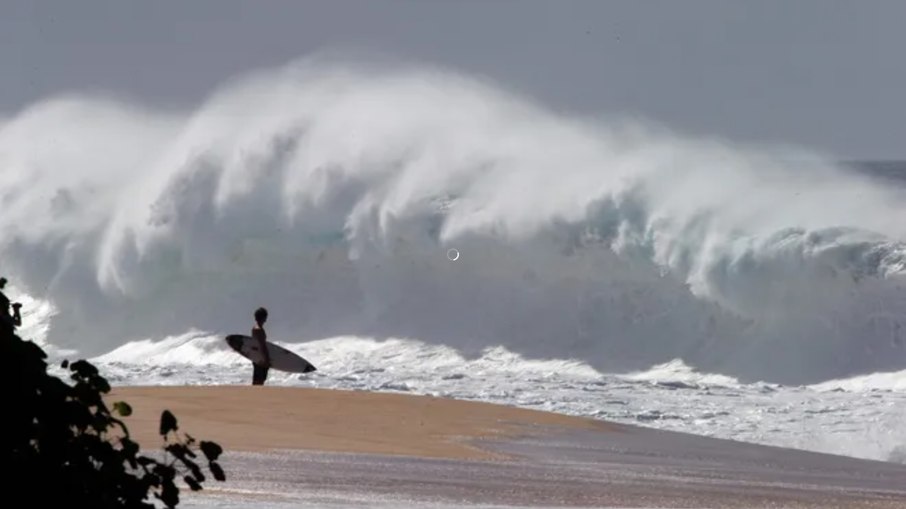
[330,191]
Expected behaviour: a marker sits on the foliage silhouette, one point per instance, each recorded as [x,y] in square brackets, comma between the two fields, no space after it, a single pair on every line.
[64,445]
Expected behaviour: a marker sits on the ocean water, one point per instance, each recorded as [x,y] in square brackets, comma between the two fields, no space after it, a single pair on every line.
[415,229]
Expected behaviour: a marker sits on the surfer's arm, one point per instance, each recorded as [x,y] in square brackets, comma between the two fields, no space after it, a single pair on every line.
[262,340]
[267,353]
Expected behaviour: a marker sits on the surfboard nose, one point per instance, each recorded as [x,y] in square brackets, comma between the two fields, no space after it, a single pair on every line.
[235,342]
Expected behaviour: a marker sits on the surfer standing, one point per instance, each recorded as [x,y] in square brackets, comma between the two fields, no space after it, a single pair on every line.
[259,373]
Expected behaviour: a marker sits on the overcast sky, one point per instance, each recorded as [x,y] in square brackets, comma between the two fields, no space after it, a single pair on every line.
[827,74]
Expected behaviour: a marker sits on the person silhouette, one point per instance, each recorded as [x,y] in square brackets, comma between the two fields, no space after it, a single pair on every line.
[259,370]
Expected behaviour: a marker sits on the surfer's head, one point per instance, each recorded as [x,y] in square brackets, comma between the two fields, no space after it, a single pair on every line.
[260,315]
[2,282]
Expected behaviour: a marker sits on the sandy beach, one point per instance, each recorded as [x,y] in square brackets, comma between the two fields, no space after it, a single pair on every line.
[258,419]
[310,447]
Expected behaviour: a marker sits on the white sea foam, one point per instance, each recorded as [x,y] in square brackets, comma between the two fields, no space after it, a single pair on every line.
[598,261]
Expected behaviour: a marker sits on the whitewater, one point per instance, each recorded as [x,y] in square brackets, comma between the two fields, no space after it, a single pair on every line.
[411,228]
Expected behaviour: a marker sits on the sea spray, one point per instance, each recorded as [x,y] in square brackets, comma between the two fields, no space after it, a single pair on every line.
[331,192]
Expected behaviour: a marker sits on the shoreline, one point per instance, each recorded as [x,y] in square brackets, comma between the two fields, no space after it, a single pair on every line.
[304,447]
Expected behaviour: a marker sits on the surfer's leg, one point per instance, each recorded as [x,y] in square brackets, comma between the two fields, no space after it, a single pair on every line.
[259,374]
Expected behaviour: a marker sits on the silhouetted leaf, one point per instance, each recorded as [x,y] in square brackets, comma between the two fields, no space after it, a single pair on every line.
[177,450]
[84,368]
[164,471]
[211,450]
[130,450]
[189,452]
[216,471]
[192,483]
[196,470]
[101,385]
[123,408]
[169,494]
[167,422]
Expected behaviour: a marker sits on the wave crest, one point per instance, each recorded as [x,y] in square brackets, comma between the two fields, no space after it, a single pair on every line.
[330,192]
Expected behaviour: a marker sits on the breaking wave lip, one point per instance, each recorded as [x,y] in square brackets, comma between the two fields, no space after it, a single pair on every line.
[331,191]
[884,381]
[677,374]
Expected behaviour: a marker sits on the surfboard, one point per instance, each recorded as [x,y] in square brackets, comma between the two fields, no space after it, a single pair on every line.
[281,358]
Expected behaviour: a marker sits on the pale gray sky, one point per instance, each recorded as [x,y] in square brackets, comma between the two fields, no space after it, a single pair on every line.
[827,74]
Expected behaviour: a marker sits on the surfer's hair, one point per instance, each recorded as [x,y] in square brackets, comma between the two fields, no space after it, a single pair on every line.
[261,314]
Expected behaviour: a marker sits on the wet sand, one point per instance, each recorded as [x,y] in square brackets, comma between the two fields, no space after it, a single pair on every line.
[291,447]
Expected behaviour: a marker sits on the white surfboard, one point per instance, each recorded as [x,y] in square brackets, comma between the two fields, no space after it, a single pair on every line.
[281,358]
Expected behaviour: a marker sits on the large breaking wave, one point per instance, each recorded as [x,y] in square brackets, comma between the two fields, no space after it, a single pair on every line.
[331,192]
